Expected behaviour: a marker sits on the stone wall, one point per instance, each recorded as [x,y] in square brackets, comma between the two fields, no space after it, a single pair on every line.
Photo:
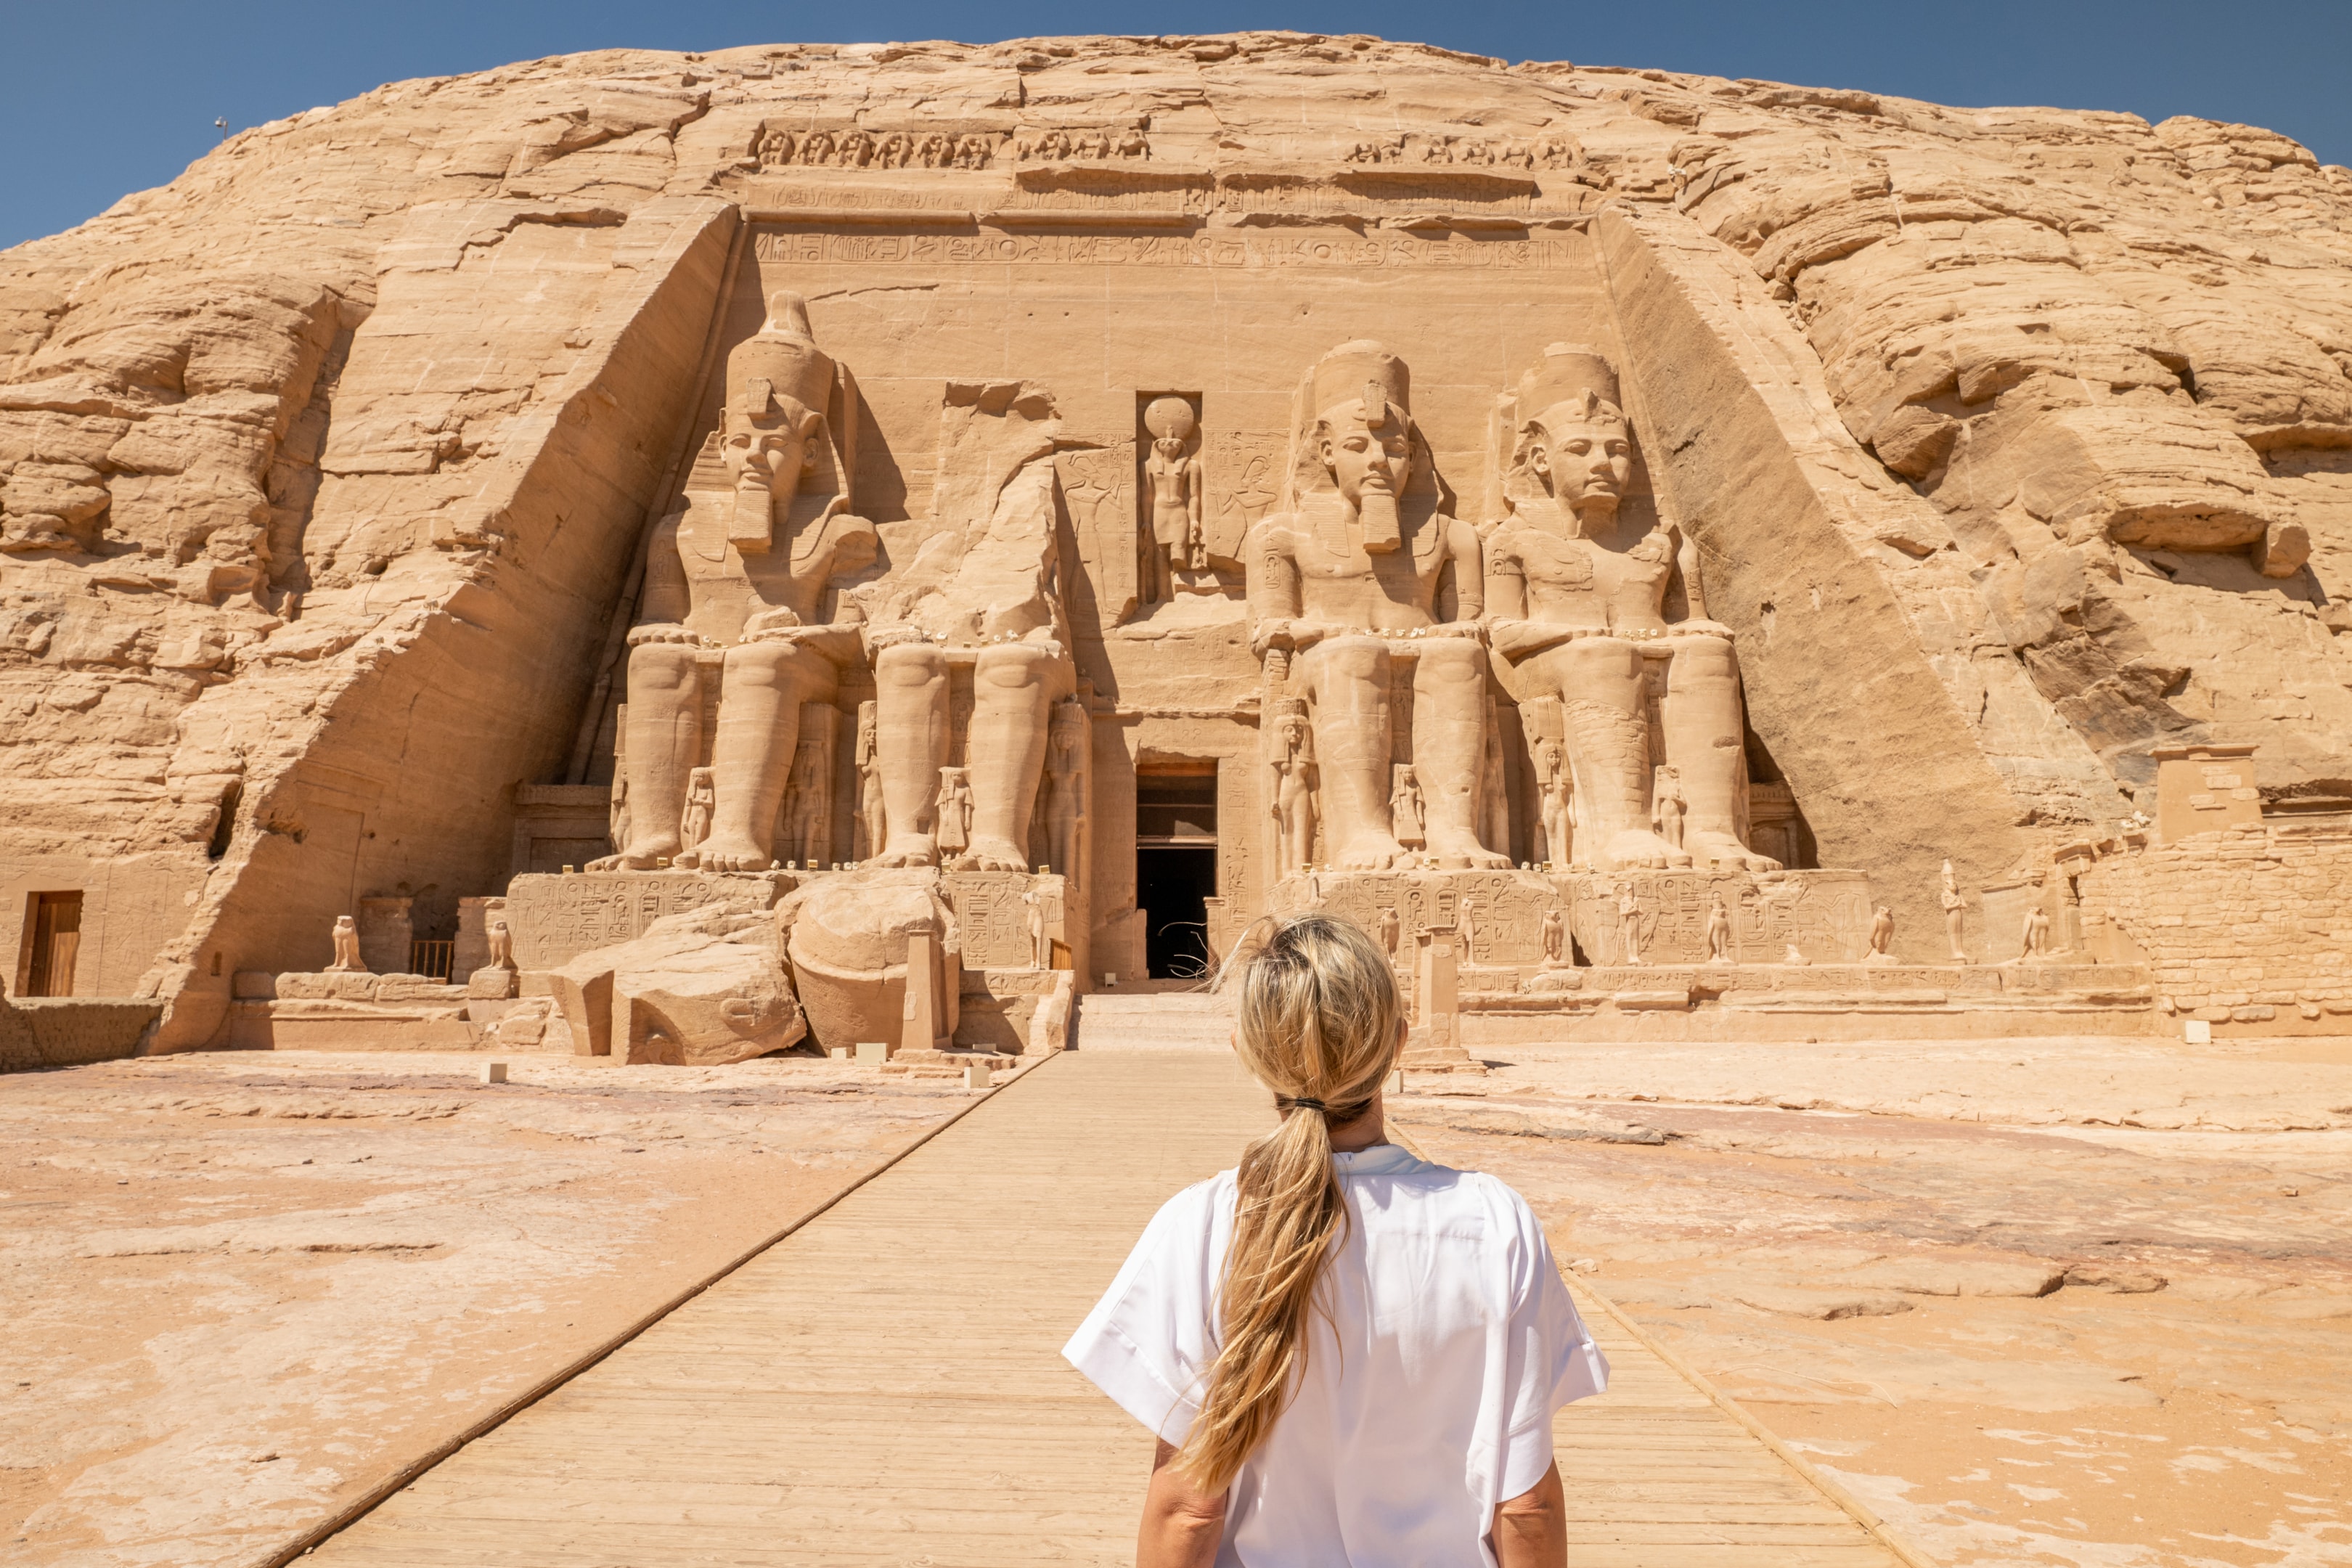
[58,1031]
[2248,929]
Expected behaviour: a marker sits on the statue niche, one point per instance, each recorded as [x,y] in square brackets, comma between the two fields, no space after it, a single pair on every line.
[1576,606]
[744,565]
[1364,585]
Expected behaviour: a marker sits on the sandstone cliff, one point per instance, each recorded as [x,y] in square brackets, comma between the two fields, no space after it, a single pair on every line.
[2015,441]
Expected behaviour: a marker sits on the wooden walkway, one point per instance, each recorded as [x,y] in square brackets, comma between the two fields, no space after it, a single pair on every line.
[885,1386]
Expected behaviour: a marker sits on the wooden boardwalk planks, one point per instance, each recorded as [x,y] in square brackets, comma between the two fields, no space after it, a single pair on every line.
[884,1387]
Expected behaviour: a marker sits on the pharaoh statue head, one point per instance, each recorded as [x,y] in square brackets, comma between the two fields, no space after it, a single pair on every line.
[1171,422]
[778,384]
[1364,433]
[1572,442]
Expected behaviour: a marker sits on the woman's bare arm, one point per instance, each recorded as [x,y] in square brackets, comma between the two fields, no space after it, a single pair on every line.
[1531,1529]
[1182,1526]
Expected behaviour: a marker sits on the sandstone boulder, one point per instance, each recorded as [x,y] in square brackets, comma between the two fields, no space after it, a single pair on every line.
[848,943]
[697,989]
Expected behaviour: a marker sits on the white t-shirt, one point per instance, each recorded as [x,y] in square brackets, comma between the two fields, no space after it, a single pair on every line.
[1429,1389]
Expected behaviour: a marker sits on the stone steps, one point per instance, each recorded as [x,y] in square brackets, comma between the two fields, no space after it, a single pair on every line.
[1109,1021]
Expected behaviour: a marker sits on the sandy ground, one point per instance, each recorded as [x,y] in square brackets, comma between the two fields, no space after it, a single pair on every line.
[2058,1301]
[241,1289]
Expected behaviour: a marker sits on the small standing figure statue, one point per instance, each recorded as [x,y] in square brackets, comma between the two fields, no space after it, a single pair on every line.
[1666,806]
[347,947]
[1404,808]
[1628,917]
[1555,939]
[955,814]
[1882,935]
[1041,935]
[806,827]
[1390,928]
[1466,924]
[1718,933]
[2037,933]
[1954,908]
[501,946]
[616,814]
[873,822]
[1065,740]
[1558,817]
[694,824]
[1293,795]
[1172,477]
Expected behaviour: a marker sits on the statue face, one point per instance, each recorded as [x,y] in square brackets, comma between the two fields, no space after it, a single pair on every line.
[1584,461]
[1168,447]
[1367,462]
[770,458]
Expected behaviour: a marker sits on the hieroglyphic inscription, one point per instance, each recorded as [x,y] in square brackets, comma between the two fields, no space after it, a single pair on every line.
[991,920]
[1338,252]
[1244,469]
[1507,926]
[1098,487]
[1825,915]
[556,918]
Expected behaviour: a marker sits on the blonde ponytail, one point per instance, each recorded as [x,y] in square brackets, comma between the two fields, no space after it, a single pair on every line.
[1319,1021]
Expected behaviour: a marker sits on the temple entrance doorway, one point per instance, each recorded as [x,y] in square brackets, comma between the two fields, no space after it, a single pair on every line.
[45,967]
[1176,865]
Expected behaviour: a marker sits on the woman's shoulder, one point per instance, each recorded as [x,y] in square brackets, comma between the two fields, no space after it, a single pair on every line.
[1195,1210]
[1495,1200]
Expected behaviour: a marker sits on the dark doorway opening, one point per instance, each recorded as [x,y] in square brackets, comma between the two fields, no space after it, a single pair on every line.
[44,966]
[1176,868]
[1172,887]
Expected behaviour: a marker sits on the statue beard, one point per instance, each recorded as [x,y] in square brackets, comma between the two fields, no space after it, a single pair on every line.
[1377,508]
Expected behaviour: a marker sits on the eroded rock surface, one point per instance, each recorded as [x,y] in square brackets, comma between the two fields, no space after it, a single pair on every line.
[2011,444]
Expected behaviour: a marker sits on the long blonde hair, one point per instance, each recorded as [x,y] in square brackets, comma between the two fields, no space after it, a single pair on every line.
[1319,1021]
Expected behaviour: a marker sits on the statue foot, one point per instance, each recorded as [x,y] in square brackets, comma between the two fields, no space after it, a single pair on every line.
[1468,852]
[911,850]
[1638,849]
[733,852]
[1722,849]
[1370,852]
[627,860]
[994,855]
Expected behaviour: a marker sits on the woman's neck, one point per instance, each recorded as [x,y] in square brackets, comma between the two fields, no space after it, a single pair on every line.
[1346,1137]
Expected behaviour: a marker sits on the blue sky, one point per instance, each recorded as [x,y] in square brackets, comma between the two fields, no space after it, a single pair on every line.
[103,97]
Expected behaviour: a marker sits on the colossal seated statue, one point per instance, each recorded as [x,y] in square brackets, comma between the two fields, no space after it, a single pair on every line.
[1577,607]
[749,570]
[980,594]
[1365,585]
[760,561]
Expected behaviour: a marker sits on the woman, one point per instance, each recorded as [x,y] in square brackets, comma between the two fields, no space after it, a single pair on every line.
[1350,1355]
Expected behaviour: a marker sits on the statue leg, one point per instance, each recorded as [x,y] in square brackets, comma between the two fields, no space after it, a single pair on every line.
[1449,748]
[752,756]
[664,746]
[1600,682]
[1348,680]
[1013,688]
[910,736]
[1704,741]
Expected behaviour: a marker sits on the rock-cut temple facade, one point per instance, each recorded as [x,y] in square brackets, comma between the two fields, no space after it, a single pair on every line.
[679,557]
